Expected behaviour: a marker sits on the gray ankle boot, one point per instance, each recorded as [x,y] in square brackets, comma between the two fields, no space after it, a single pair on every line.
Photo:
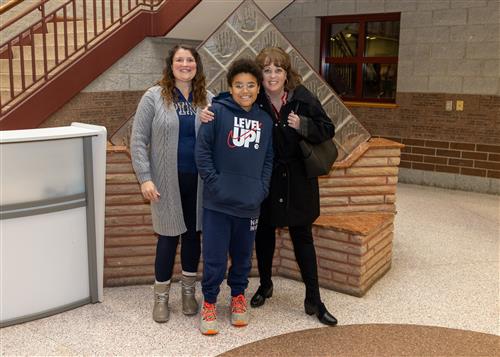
[160,309]
[189,303]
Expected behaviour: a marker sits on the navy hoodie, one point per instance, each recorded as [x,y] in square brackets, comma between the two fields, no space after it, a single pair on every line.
[234,156]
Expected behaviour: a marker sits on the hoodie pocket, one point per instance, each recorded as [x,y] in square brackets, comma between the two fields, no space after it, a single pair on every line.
[240,192]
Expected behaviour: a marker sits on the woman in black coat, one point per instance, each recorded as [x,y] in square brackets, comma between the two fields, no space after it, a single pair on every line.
[293,199]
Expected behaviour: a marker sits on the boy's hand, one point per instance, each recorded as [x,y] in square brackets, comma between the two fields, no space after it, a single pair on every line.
[293,120]
[206,115]
[149,191]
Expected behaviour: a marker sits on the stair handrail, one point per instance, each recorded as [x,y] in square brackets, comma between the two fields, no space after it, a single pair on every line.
[9,5]
[4,8]
[126,8]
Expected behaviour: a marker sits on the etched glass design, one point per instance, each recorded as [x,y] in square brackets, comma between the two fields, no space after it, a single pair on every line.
[247,31]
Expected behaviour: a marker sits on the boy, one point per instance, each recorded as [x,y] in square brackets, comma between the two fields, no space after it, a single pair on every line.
[234,157]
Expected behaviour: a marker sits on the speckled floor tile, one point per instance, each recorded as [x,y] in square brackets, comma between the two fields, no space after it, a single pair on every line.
[22,341]
[445,272]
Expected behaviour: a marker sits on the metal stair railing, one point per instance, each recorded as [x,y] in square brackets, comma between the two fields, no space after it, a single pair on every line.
[58,35]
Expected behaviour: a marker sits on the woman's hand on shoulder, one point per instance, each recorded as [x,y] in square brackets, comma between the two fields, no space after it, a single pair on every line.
[149,191]
[206,115]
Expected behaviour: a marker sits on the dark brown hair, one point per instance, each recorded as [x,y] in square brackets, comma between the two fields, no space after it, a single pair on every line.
[278,57]
[244,65]
[198,83]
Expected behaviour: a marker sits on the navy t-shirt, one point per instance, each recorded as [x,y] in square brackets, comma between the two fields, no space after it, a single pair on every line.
[187,135]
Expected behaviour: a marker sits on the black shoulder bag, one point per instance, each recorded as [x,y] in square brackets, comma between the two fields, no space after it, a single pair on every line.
[318,158]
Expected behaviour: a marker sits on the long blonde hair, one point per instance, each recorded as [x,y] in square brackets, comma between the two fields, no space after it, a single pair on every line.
[198,83]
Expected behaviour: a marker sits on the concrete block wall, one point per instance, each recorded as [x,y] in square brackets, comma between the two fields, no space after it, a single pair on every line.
[446,46]
[138,70]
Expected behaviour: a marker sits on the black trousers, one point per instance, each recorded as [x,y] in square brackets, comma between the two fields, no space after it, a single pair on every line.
[305,254]
[166,247]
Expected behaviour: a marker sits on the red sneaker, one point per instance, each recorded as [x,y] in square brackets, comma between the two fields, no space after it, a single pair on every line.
[239,313]
[208,320]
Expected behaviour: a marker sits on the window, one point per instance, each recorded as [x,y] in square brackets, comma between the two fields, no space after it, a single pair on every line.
[359,56]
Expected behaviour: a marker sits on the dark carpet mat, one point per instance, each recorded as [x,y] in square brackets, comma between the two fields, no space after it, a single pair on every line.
[374,340]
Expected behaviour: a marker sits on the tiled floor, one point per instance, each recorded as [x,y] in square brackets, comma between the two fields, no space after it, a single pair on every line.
[445,272]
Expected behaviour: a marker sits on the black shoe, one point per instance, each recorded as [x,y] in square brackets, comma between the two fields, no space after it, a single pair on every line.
[321,313]
[261,295]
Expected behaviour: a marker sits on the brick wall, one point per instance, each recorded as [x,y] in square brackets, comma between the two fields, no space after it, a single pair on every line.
[130,242]
[109,109]
[353,251]
[459,142]
[354,246]
[459,158]
[368,184]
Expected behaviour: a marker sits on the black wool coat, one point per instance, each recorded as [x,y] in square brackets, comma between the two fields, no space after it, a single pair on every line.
[293,197]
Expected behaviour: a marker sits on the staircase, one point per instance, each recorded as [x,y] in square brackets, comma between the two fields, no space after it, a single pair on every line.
[67,46]
[31,63]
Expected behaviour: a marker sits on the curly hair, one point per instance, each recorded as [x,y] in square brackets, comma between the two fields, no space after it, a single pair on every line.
[244,65]
[198,83]
[278,57]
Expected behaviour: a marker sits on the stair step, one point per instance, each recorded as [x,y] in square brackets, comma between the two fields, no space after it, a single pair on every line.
[70,26]
[5,94]
[50,52]
[50,38]
[16,65]
[5,81]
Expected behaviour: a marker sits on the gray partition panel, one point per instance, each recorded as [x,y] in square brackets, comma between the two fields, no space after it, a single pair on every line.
[91,233]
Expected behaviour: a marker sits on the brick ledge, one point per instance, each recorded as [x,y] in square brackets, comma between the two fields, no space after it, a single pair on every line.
[355,223]
[373,143]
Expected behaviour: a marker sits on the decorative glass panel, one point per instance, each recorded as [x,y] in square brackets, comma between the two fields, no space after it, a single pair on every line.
[211,67]
[316,85]
[248,30]
[337,111]
[269,37]
[379,80]
[382,39]
[224,45]
[248,21]
[343,40]
[348,135]
[299,64]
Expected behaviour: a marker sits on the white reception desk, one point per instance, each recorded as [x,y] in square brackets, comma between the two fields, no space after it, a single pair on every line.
[51,220]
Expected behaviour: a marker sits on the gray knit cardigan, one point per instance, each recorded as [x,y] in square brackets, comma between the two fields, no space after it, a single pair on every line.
[154,141]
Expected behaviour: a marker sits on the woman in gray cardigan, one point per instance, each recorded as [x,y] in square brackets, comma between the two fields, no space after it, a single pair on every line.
[162,147]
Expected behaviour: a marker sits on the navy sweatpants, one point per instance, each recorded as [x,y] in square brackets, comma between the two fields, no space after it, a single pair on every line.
[223,234]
